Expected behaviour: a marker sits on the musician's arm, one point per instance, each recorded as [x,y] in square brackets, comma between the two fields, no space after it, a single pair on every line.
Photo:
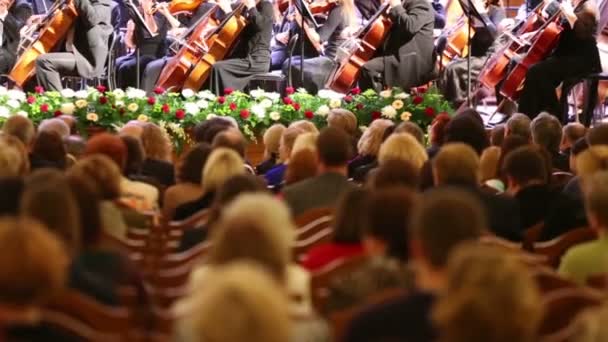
[261,18]
[13,22]
[412,20]
[331,25]
[94,12]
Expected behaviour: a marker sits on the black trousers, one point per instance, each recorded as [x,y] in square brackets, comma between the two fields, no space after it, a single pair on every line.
[316,72]
[235,73]
[51,66]
[126,69]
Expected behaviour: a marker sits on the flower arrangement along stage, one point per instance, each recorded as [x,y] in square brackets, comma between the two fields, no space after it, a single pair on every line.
[254,112]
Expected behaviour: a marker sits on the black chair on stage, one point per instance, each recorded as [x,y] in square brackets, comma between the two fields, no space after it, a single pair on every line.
[274,81]
[590,111]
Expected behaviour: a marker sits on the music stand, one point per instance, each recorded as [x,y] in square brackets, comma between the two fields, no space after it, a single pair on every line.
[304,12]
[138,18]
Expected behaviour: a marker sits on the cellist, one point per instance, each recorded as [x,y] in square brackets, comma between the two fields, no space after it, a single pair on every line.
[86,46]
[13,16]
[575,56]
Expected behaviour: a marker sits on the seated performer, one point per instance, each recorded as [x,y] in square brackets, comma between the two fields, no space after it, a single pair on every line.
[453,79]
[407,60]
[253,55]
[332,34]
[150,47]
[575,56]
[12,19]
[86,46]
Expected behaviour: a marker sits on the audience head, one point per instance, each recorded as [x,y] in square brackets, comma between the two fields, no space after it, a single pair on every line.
[546,132]
[305,126]
[11,189]
[498,135]
[389,215]
[13,158]
[302,165]
[412,129]
[86,194]
[394,172]
[578,147]
[74,145]
[334,148]
[135,155]
[466,128]
[49,147]
[350,219]
[488,163]
[272,140]
[232,139]
[590,325]
[523,167]
[54,125]
[598,135]
[510,143]
[21,128]
[403,146]
[372,137]
[69,120]
[288,139]
[190,168]
[596,201]
[456,164]
[109,145]
[591,161]
[222,164]
[103,172]
[233,187]
[570,134]
[132,128]
[519,124]
[155,142]
[344,119]
[490,296]
[33,267]
[305,141]
[205,131]
[437,131]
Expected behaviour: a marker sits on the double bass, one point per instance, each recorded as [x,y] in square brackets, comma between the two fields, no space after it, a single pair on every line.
[371,38]
[51,30]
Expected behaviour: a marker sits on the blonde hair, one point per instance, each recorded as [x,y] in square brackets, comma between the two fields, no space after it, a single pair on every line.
[222,164]
[34,263]
[13,157]
[238,302]
[490,296]
[405,147]
[343,118]
[288,139]
[272,137]
[155,142]
[591,325]
[103,171]
[305,126]
[305,141]
[20,127]
[456,163]
[488,163]
[370,141]
[594,159]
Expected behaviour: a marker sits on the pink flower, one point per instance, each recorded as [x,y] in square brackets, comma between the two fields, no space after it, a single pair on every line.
[359,106]
[39,89]
[376,115]
[166,108]
[287,100]
[228,91]
[159,90]
[348,98]
[31,99]
[232,106]
[417,100]
[244,114]
[429,111]
[180,114]
[356,91]
[103,100]
[44,107]
[221,100]
[101,88]
[309,114]
[151,100]
[296,106]
[289,90]
[57,113]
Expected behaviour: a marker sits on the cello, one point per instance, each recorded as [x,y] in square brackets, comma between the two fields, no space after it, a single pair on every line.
[370,37]
[51,31]
[457,41]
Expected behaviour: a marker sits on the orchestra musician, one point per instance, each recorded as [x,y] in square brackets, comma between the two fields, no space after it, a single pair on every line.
[252,55]
[13,16]
[575,56]
[86,46]
[407,60]
[453,79]
[339,25]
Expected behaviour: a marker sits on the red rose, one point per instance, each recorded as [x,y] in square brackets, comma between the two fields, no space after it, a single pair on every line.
[159,90]
[296,106]
[244,114]
[287,100]
[166,108]
[232,106]
[228,91]
[443,113]
[356,91]
[429,111]
[103,100]
[348,98]
[151,100]
[417,100]
[101,88]
[180,114]
[359,106]
[39,89]
[57,113]
[289,90]
[422,90]
[309,114]
[31,99]
[44,107]
[121,111]
[376,115]
[221,100]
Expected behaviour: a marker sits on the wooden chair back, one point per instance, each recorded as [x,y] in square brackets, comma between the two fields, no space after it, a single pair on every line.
[559,179]
[313,221]
[70,326]
[199,218]
[598,281]
[563,305]
[302,245]
[555,249]
[189,257]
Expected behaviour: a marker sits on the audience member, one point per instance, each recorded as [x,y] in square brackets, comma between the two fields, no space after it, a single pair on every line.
[573,187]
[346,120]
[437,134]
[570,134]
[48,151]
[547,133]
[412,129]
[303,164]
[488,168]
[272,139]
[11,189]
[70,121]
[598,135]
[157,152]
[519,124]
[205,131]
[133,128]
[135,156]
[497,135]
[74,146]
[468,129]
[395,173]
[305,141]
[13,161]
[54,125]
[305,125]
[325,189]
[231,139]
[403,146]
[367,149]
[21,128]
[274,176]
[590,325]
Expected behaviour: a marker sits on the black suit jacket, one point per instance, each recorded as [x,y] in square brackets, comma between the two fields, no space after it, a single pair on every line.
[15,19]
[91,34]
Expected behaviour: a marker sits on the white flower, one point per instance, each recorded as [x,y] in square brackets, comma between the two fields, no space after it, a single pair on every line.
[3,91]
[67,108]
[329,94]
[142,118]
[202,104]
[191,108]
[119,103]
[67,93]
[302,90]
[22,113]
[92,117]
[389,112]
[133,93]
[362,129]
[133,107]
[259,111]
[386,93]
[274,96]
[211,116]
[118,93]
[206,94]
[15,94]
[397,104]
[322,111]
[275,116]
[335,103]
[405,116]
[402,96]
[4,112]
[81,103]
[81,94]
[13,104]
[187,93]
[266,103]
[257,93]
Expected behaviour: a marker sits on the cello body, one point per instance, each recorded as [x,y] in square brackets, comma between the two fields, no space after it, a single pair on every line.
[371,38]
[184,6]
[457,41]
[54,28]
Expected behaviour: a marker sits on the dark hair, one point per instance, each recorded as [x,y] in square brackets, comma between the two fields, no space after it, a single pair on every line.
[579,146]
[135,155]
[466,128]
[438,129]
[207,130]
[498,135]
[88,203]
[351,216]
[444,218]
[11,189]
[230,190]
[510,143]
[109,145]
[230,139]
[74,145]
[525,164]
[388,131]
[389,215]
[50,147]
[333,145]
[395,172]
[302,165]
[598,135]
[191,167]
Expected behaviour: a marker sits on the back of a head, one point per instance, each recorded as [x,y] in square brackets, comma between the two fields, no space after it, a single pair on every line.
[395,172]
[350,219]
[87,198]
[574,131]
[288,139]
[596,200]
[305,126]
[411,128]
[155,142]
[103,172]
[54,125]
[205,131]
[232,139]
[490,296]
[74,145]
[11,189]
[305,141]
[498,135]
[20,127]
[403,146]
[456,163]
[547,132]
[467,129]
[437,133]
[488,163]
[333,146]
[525,165]
[519,124]
[389,216]
[135,155]
[302,165]
[370,141]
[591,325]
[591,161]
[133,129]
[598,135]
[239,302]
[11,160]
[34,263]
[443,219]
[49,146]
[272,138]
[222,164]
[191,166]
[344,119]
[109,145]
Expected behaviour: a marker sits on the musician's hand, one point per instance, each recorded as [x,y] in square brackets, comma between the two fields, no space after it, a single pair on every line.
[34,19]
[249,3]
[176,32]
[147,6]
[282,37]
[394,3]
[225,6]
[567,8]
[349,32]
